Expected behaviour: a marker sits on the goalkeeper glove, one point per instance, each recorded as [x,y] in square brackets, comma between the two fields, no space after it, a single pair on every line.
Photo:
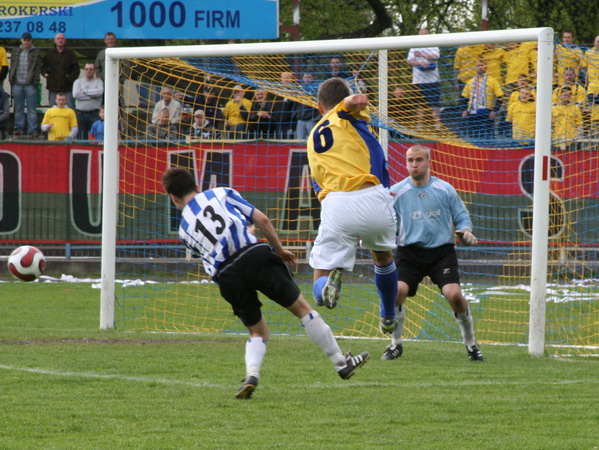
[466,237]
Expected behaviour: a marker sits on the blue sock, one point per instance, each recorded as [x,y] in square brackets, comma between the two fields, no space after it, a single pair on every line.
[385,279]
[317,288]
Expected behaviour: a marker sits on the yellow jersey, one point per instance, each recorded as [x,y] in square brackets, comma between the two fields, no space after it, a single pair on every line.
[567,122]
[482,92]
[579,95]
[522,115]
[233,111]
[494,59]
[63,119]
[515,96]
[517,60]
[567,56]
[3,57]
[344,154]
[591,62]
[465,61]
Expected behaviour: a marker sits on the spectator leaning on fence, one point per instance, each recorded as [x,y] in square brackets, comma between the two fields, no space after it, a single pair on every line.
[60,122]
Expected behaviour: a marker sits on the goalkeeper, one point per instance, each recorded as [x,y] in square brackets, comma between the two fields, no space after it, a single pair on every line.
[427,211]
[215,226]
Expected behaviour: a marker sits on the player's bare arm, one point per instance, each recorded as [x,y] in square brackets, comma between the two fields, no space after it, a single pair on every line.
[265,225]
[356,102]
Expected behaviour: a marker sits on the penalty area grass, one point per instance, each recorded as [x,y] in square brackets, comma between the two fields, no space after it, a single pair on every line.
[66,384]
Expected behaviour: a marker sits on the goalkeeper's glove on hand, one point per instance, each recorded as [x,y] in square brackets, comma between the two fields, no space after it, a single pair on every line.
[466,237]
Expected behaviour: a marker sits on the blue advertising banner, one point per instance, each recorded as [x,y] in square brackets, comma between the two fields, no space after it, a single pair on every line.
[141,19]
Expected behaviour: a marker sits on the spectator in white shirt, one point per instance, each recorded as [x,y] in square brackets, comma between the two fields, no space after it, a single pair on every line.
[425,75]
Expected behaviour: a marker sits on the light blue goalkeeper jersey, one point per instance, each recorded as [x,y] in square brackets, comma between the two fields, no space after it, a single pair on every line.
[427,215]
[214,225]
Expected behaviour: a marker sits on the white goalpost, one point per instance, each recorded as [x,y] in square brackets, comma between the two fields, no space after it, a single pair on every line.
[542,143]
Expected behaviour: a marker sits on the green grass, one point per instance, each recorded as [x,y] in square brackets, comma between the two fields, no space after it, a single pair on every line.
[66,384]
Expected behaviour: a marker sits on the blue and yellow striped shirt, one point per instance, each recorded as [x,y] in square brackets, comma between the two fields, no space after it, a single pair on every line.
[344,154]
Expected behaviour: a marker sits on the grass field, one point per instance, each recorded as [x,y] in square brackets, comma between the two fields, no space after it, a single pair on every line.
[66,384]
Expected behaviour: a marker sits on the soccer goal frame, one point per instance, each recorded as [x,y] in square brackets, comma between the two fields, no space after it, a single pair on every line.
[545,39]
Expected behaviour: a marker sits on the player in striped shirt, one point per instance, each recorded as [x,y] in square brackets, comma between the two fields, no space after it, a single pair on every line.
[350,177]
[215,226]
[428,210]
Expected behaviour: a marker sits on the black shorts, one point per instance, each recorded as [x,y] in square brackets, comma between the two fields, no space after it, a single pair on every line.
[255,268]
[440,264]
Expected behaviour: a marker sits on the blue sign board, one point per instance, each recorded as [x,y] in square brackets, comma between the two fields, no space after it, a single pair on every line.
[142,19]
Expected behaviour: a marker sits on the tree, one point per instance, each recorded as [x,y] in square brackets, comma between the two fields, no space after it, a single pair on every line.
[326,19]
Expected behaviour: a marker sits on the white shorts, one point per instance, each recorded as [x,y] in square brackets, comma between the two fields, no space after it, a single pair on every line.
[347,218]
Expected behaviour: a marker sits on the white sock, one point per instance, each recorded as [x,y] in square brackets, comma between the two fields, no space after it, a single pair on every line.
[320,332]
[464,320]
[255,349]
[400,315]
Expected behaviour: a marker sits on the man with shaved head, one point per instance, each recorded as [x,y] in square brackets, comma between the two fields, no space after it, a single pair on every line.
[428,211]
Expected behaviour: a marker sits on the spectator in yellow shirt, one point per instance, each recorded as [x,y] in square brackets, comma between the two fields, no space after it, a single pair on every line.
[484,96]
[523,81]
[464,65]
[522,114]
[493,55]
[567,55]
[517,58]
[60,122]
[591,64]
[237,111]
[3,65]
[567,121]
[594,119]
[578,92]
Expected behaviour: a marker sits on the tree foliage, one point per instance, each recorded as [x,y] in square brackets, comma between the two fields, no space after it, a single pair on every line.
[334,19]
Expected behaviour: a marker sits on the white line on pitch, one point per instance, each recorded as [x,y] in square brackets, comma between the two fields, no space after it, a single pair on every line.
[318,385]
[101,376]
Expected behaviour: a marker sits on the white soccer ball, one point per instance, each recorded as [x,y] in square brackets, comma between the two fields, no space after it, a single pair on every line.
[26,263]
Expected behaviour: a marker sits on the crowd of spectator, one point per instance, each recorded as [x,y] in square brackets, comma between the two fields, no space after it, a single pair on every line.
[495,85]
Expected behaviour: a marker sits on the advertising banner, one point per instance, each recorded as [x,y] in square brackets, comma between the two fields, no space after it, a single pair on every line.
[52,192]
[137,19]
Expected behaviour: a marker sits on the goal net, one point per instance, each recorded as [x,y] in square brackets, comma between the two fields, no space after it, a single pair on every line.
[531,193]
